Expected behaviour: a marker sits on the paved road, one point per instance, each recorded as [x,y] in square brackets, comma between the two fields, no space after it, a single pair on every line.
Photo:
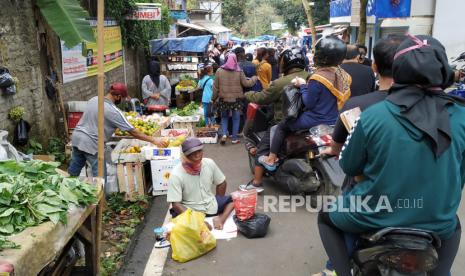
[292,246]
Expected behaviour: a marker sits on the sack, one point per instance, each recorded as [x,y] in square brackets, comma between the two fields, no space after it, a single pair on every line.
[21,136]
[255,227]
[190,237]
[244,203]
[292,102]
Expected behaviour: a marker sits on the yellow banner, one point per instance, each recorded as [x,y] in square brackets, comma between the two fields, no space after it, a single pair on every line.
[113,51]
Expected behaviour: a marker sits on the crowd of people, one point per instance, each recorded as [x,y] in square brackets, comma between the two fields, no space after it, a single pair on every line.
[406,117]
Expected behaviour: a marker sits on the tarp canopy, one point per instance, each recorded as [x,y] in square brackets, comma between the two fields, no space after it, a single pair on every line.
[213,27]
[193,44]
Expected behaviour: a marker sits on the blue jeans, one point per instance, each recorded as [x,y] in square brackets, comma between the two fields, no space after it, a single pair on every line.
[207,112]
[78,161]
[236,118]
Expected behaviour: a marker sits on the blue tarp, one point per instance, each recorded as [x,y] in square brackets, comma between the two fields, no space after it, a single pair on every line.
[194,44]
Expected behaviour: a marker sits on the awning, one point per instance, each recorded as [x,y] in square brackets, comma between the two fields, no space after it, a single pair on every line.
[212,27]
[194,44]
[192,26]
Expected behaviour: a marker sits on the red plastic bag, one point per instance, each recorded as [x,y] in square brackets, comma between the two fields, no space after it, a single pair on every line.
[245,203]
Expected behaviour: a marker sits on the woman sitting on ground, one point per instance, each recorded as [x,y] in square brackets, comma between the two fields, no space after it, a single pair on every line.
[324,94]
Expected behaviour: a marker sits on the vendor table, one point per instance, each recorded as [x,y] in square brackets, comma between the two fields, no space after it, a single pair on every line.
[44,247]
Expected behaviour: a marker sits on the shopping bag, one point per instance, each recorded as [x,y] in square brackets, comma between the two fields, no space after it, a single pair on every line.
[292,102]
[190,237]
[244,203]
[21,136]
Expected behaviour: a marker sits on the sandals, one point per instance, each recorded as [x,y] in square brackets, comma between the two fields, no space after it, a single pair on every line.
[268,167]
[249,146]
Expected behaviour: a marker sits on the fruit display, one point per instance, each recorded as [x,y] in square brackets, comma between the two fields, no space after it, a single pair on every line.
[175,132]
[186,84]
[146,124]
[177,141]
[133,149]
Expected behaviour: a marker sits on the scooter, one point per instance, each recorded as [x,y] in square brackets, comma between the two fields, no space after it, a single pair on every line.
[396,252]
[302,169]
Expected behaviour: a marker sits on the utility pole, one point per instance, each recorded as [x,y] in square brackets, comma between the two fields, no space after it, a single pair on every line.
[308,12]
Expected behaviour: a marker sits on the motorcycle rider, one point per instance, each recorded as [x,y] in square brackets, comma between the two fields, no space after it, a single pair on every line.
[417,121]
[292,64]
[322,96]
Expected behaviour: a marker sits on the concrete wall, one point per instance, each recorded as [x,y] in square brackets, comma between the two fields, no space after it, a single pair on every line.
[19,52]
[447,26]
[423,7]
[29,48]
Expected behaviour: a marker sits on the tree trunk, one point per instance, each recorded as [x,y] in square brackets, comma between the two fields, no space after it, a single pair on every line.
[308,12]
[362,30]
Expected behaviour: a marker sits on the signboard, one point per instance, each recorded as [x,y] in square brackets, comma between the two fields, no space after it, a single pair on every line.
[338,8]
[150,12]
[81,61]
[278,26]
[393,8]
[178,15]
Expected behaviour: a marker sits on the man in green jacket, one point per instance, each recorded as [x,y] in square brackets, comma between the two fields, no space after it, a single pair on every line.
[292,63]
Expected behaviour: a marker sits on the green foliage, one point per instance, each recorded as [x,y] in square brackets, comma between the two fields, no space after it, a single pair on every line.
[34,147]
[33,192]
[56,147]
[136,34]
[294,16]
[16,113]
[234,12]
[68,19]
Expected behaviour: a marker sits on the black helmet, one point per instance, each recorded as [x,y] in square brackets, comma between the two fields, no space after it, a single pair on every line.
[292,58]
[329,51]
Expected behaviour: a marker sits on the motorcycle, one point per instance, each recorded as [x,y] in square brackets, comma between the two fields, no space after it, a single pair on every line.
[396,251]
[458,64]
[302,169]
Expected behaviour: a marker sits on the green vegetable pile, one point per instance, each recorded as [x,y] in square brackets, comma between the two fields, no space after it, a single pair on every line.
[188,110]
[33,192]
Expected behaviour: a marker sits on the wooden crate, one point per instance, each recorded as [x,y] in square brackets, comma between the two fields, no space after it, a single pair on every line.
[131,180]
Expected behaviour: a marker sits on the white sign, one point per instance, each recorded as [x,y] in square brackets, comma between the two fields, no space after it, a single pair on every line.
[145,12]
[278,26]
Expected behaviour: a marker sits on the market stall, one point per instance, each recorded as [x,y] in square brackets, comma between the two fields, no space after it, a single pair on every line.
[179,59]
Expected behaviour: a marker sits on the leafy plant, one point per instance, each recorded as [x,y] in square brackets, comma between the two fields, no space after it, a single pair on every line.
[34,147]
[56,147]
[33,192]
[68,19]
[16,113]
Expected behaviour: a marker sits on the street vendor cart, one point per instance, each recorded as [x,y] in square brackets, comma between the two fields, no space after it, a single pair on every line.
[179,59]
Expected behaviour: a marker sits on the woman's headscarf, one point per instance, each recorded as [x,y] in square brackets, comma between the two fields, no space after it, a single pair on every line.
[231,63]
[154,72]
[421,73]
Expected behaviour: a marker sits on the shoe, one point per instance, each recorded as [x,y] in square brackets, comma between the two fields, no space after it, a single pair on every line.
[268,167]
[325,272]
[162,244]
[223,139]
[250,186]
[237,141]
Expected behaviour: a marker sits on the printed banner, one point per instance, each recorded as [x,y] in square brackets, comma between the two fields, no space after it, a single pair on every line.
[81,61]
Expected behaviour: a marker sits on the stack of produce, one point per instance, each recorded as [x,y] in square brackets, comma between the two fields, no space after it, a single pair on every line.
[188,110]
[33,192]
[146,125]
[186,85]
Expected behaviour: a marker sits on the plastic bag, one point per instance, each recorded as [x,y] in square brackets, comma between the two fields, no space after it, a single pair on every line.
[244,203]
[190,237]
[21,136]
[255,227]
[6,80]
[292,102]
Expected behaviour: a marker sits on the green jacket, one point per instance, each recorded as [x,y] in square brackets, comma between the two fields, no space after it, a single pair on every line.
[272,95]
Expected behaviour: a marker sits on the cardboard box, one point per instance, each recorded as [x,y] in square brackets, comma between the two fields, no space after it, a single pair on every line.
[161,171]
[154,153]
[131,179]
[45,158]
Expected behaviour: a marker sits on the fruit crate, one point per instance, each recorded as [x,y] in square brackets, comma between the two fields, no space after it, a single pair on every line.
[175,132]
[207,135]
[131,180]
[120,154]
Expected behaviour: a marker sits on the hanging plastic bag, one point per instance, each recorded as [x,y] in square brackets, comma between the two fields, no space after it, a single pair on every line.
[21,136]
[245,203]
[292,102]
[190,237]
[255,227]
[6,80]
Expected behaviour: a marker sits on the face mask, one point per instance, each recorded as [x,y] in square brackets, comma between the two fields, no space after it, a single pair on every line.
[117,102]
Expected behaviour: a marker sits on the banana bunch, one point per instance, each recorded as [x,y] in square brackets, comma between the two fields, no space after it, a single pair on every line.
[177,142]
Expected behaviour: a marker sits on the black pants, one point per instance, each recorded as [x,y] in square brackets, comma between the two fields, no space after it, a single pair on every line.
[334,244]
[263,148]
[282,130]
